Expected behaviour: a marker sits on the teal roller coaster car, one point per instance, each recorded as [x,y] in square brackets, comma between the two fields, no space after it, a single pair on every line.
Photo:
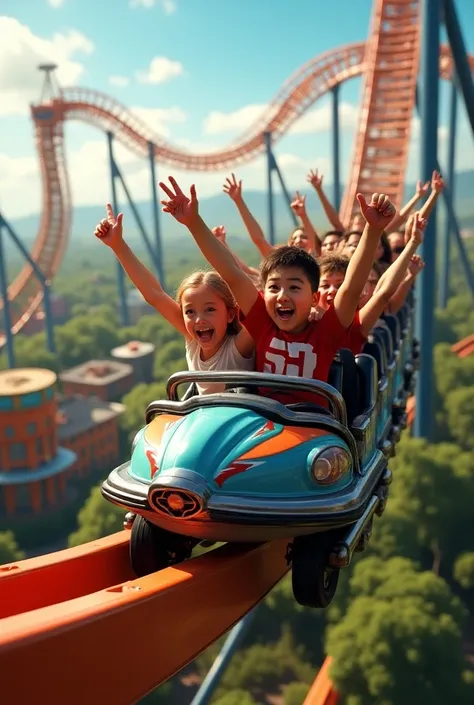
[241,467]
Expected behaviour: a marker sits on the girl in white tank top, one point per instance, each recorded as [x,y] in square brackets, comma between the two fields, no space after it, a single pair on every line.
[205,312]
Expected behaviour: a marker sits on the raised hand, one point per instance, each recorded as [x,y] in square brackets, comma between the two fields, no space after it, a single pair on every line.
[417,227]
[298,205]
[416,265]
[232,188]
[109,230]
[379,212]
[220,232]
[422,188]
[437,182]
[315,179]
[185,210]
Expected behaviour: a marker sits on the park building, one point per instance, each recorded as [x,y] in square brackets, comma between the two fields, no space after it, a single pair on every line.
[48,441]
[89,428]
[108,380]
[140,355]
[33,466]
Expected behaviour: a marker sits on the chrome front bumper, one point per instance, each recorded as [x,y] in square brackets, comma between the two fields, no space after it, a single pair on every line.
[265,516]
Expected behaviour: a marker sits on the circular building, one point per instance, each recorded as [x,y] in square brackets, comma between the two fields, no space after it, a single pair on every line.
[32,465]
[140,355]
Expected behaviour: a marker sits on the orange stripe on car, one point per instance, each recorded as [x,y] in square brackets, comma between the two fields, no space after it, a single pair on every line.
[290,437]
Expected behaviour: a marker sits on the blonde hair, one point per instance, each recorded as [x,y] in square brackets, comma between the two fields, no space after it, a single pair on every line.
[222,289]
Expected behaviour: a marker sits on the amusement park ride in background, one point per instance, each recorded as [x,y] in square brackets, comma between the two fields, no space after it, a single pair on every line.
[83,605]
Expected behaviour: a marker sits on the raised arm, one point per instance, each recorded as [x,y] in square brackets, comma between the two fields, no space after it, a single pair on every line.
[109,231]
[332,215]
[186,212]
[400,218]
[298,206]
[234,191]
[393,278]
[398,299]
[437,186]
[377,215]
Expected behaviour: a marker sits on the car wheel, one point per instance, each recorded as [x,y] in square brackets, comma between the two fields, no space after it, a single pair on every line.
[148,552]
[314,581]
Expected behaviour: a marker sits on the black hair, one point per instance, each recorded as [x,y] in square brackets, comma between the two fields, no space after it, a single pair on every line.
[289,256]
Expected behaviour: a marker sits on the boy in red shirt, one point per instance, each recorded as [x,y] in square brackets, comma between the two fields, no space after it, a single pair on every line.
[377,293]
[277,318]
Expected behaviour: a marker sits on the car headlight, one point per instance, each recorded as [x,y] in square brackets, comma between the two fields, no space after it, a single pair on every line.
[329,465]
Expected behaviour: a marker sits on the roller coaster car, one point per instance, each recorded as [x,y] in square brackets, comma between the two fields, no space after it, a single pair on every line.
[241,467]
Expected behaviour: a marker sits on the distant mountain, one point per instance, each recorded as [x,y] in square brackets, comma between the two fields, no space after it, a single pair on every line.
[219,210]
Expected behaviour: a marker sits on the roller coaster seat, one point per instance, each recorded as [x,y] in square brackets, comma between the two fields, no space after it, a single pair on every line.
[374,348]
[395,329]
[367,376]
[382,333]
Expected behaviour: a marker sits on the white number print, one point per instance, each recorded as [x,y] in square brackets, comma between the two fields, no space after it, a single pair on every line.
[278,362]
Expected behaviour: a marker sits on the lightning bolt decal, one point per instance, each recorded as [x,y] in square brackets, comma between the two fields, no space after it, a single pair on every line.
[151,455]
[269,426]
[235,468]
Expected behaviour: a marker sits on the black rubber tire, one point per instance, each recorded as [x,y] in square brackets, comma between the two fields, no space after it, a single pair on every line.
[147,553]
[314,583]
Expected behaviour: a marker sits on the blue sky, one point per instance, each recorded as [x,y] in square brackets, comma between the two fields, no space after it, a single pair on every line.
[198,71]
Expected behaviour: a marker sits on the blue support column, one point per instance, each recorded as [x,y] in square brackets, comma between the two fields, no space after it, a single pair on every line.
[335,147]
[41,278]
[446,236]
[120,273]
[138,220]
[423,425]
[49,318]
[233,641]
[6,304]
[285,190]
[271,212]
[156,216]
[461,62]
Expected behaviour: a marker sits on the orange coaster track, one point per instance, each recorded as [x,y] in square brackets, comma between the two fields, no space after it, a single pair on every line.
[84,630]
[380,153]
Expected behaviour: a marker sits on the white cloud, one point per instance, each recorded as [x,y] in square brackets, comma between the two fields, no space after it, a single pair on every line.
[119,81]
[320,119]
[239,120]
[316,120]
[159,118]
[168,6]
[20,53]
[55,3]
[161,69]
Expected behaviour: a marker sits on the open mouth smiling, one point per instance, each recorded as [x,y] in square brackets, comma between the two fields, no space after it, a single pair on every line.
[285,312]
[205,334]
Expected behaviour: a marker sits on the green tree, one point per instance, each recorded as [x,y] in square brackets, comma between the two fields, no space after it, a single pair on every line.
[136,402]
[9,549]
[260,668]
[97,518]
[400,640]
[429,480]
[464,570]
[459,404]
[235,697]
[295,693]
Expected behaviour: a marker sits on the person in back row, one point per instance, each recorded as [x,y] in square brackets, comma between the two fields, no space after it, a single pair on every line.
[287,342]
[376,295]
